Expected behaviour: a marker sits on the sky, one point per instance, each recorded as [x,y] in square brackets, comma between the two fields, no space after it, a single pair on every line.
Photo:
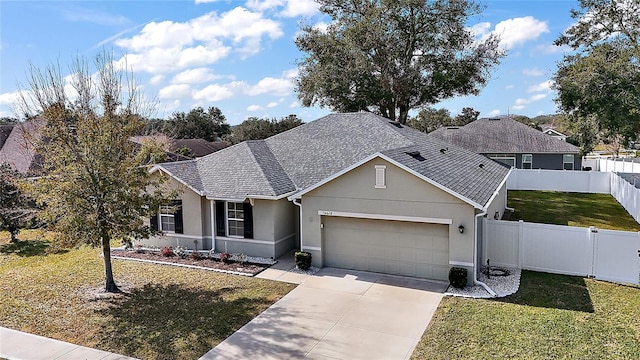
[240,55]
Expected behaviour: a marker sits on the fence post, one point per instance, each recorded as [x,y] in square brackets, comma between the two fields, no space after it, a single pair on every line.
[593,238]
[520,243]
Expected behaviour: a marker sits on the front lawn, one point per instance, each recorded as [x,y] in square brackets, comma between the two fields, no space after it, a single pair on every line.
[572,209]
[550,317]
[168,313]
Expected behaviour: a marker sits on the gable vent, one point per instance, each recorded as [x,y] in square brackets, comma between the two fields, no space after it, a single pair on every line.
[416,155]
[396,124]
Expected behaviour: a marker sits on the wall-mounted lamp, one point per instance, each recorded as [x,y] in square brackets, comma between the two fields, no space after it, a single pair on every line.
[496,215]
[461,229]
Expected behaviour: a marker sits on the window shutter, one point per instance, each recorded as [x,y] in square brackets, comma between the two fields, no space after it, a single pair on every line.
[220,216]
[248,221]
[177,216]
[154,222]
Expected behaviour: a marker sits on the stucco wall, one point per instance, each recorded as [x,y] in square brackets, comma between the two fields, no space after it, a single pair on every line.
[404,195]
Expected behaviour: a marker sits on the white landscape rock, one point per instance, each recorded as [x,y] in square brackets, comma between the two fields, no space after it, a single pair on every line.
[501,285]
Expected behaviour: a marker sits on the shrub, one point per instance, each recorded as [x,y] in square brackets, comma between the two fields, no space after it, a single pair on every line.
[303,260]
[180,251]
[241,258]
[458,277]
[225,257]
[195,255]
[167,251]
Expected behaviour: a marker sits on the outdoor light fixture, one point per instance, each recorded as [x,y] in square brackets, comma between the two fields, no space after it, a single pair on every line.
[461,228]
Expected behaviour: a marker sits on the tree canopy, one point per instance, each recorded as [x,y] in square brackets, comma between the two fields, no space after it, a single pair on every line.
[257,129]
[390,57]
[601,82]
[430,119]
[95,186]
[210,125]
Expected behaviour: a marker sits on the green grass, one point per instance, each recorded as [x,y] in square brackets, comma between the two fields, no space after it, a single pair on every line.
[550,317]
[572,209]
[168,313]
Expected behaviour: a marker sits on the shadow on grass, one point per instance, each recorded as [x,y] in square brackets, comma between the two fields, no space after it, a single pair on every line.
[552,291]
[25,247]
[174,321]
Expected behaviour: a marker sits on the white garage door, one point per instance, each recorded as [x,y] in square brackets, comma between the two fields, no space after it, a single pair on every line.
[391,247]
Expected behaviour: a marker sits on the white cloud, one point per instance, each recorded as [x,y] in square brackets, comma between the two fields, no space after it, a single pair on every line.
[206,1]
[174,91]
[321,26]
[512,32]
[263,5]
[254,108]
[533,72]
[161,47]
[214,92]
[543,86]
[294,104]
[194,76]
[520,102]
[155,80]
[300,8]
[550,49]
[494,112]
[272,104]
[9,98]
[272,86]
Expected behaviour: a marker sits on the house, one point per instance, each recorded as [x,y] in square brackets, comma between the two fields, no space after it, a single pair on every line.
[197,147]
[551,131]
[355,190]
[513,143]
[18,150]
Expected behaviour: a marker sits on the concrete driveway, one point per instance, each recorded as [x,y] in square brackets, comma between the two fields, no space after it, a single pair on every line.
[339,314]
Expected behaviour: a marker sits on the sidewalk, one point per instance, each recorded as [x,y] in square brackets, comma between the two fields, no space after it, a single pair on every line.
[20,345]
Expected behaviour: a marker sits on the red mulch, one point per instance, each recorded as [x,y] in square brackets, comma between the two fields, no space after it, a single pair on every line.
[246,268]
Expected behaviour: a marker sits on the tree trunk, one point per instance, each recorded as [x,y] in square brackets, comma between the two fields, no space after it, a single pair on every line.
[14,236]
[109,283]
[403,115]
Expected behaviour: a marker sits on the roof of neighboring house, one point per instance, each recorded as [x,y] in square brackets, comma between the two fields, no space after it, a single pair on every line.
[5,130]
[18,149]
[552,132]
[198,147]
[502,135]
[308,154]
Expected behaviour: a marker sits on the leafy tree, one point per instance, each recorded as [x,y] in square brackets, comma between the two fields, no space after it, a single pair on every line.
[466,116]
[602,80]
[393,56]
[15,210]
[430,119]
[210,125]
[94,186]
[256,129]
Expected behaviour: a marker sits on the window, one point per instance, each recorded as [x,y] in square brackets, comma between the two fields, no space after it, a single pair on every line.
[235,219]
[567,161]
[380,177]
[169,218]
[527,159]
[509,160]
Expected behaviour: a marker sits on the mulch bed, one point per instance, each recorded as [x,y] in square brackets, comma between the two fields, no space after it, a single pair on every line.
[204,262]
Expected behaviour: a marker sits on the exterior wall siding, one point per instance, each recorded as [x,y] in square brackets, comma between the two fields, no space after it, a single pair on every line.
[404,195]
[545,161]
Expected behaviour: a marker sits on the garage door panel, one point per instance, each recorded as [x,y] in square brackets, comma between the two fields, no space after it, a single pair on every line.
[393,247]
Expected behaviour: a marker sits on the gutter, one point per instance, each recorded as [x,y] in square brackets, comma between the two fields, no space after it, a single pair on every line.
[475,258]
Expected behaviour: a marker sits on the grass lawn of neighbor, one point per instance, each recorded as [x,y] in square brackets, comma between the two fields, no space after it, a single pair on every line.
[166,313]
[571,209]
[550,317]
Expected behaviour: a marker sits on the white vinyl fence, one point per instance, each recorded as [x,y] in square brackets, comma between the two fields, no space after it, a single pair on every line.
[619,165]
[602,254]
[579,181]
[560,180]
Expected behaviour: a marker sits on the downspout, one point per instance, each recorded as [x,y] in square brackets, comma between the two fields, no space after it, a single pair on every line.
[299,204]
[213,225]
[475,258]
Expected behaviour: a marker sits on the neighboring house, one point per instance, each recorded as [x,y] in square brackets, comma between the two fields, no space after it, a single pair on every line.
[355,190]
[17,147]
[513,143]
[551,131]
[197,147]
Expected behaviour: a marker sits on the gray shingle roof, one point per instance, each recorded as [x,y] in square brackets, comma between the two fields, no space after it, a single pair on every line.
[503,135]
[305,155]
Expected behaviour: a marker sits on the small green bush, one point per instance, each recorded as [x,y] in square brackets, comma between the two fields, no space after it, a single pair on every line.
[303,260]
[458,277]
